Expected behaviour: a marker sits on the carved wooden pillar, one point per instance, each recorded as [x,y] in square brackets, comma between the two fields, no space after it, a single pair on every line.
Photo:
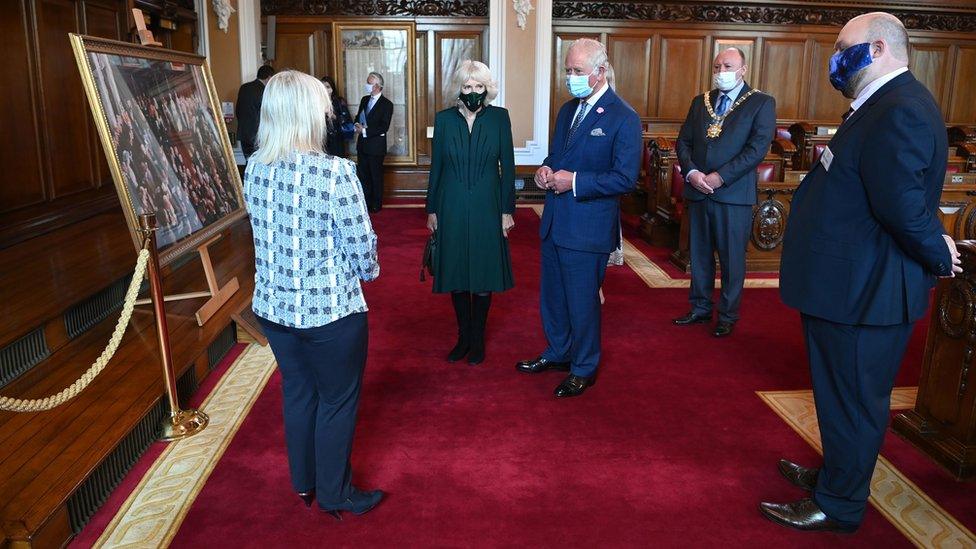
[943,423]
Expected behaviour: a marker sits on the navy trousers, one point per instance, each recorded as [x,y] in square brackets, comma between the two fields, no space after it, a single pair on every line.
[722,228]
[853,370]
[321,374]
[570,306]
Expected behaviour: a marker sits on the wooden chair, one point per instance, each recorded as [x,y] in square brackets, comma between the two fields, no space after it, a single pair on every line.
[810,142]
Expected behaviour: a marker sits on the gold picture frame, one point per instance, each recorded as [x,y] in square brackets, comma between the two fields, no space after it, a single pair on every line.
[389,49]
[162,130]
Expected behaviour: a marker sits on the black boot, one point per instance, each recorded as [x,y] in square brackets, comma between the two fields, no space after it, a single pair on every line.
[462,311]
[479,318]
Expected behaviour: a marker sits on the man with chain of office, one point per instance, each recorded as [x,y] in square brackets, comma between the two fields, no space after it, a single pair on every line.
[724,138]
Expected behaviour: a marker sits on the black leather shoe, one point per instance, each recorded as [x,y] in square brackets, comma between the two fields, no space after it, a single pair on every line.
[573,385]
[723,329]
[538,365]
[799,476]
[358,503]
[803,515]
[691,318]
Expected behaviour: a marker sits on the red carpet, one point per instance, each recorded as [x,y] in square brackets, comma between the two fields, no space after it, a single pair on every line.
[671,448]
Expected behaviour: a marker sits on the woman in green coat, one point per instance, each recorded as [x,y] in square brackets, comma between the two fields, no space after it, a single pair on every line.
[470,203]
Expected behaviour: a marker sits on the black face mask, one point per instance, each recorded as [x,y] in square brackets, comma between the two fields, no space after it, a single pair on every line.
[473,101]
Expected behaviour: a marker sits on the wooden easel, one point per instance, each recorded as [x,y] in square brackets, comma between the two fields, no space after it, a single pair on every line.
[146,37]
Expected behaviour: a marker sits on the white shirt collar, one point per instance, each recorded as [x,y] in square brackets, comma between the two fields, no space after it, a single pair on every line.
[596,96]
[874,86]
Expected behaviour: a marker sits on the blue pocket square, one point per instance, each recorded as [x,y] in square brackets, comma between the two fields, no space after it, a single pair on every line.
[598,132]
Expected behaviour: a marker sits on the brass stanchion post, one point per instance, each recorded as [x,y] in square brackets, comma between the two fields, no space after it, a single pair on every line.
[180,423]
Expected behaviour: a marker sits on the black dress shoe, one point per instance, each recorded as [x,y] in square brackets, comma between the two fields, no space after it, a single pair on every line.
[537,365]
[358,503]
[803,515]
[573,385]
[307,497]
[691,318]
[799,476]
[723,328]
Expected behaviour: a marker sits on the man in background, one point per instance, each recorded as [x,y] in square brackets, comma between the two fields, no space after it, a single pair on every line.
[725,136]
[248,109]
[372,123]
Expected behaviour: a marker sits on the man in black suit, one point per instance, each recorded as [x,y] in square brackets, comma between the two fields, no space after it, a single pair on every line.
[862,249]
[248,109]
[725,136]
[372,123]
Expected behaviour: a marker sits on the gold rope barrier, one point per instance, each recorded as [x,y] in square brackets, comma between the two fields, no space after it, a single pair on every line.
[42,404]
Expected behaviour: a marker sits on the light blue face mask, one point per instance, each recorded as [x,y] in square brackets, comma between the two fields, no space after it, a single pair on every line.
[579,85]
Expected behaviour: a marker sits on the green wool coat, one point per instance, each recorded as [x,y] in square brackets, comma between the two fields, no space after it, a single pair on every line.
[472,183]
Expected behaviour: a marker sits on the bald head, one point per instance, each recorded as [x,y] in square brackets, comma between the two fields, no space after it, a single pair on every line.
[889,46]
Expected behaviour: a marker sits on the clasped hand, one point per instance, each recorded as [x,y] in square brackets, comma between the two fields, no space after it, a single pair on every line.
[954,254]
[549,180]
[705,184]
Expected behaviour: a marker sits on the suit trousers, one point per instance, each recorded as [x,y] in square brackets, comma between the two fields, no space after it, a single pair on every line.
[369,168]
[321,375]
[570,306]
[722,228]
[853,370]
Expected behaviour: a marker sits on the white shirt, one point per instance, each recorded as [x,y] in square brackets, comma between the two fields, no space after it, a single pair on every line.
[369,106]
[874,86]
[590,102]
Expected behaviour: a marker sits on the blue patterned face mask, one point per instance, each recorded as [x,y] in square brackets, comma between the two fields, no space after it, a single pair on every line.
[848,62]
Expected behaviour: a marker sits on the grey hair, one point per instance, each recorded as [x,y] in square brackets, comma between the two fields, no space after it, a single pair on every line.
[379,78]
[885,26]
[611,76]
[597,51]
[478,71]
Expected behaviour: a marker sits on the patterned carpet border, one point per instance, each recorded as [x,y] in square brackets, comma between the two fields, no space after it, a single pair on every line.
[902,502]
[154,511]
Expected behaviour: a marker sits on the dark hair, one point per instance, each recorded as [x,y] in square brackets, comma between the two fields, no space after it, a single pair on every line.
[331,82]
[265,72]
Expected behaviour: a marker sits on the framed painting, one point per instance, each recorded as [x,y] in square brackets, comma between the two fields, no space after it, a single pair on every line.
[387,49]
[160,124]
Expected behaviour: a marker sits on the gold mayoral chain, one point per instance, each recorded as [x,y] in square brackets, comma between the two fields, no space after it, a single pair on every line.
[715,128]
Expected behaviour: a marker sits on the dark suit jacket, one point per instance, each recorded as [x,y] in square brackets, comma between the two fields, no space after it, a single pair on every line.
[743,143]
[248,112]
[863,243]
[377,124]
[605,154]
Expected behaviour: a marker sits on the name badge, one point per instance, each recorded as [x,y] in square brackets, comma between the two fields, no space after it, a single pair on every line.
[827,158]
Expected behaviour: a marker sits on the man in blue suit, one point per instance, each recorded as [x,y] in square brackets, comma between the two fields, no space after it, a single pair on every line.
[594,157]
[725,136]
[862,249]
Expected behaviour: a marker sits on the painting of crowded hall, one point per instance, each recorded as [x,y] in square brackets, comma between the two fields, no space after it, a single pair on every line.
[170,151]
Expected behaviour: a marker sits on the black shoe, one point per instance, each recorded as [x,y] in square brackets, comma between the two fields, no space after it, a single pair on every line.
[723,328]
[803,515]
[799,476]
[462,312]
[357,503]
[691,318]
[479,319]
[538,365]
[573,385]
[307,497]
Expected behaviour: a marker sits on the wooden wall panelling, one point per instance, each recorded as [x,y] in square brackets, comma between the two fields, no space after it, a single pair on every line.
[824,102]
[425,100]
[294,46]
[681,73]
[781,57]
[930,63]
[21,157]
[102,21]
[962,103]
[631,54]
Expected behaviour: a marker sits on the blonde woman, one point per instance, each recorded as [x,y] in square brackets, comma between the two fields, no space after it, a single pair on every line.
[470,203]
[313,243]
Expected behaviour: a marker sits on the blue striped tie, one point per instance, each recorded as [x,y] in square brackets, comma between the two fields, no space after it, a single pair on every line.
[723,104]
[577,121]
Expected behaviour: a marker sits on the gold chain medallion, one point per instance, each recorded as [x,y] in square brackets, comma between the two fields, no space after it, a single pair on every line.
[715,128]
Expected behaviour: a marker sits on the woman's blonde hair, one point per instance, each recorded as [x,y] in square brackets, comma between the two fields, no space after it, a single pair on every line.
[294,110]
[478,71]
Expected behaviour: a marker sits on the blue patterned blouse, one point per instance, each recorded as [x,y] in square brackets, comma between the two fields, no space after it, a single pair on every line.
[313,241]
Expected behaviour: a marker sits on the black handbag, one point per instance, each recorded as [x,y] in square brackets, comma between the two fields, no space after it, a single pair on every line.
[427,264]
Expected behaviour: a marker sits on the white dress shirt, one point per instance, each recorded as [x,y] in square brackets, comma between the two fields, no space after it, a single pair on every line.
[591,102]
[874,86]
